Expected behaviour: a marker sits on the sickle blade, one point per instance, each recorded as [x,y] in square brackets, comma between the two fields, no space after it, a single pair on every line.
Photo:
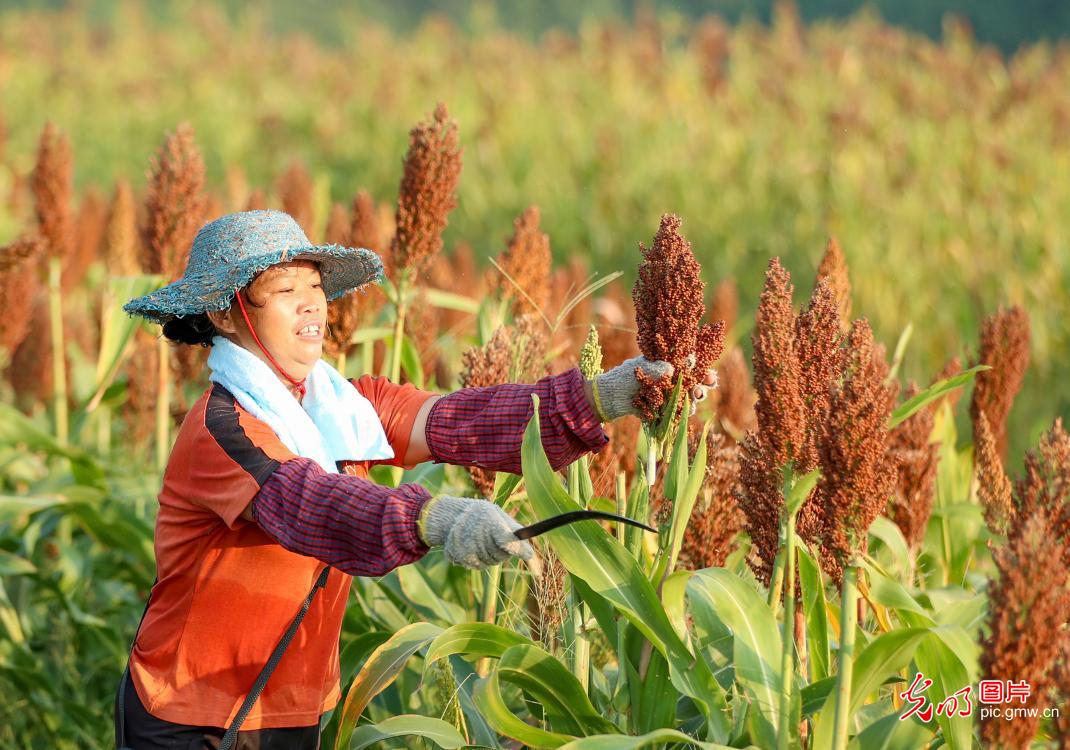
[553,522]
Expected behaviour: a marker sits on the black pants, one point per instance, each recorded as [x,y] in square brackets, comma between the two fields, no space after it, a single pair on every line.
[145,732]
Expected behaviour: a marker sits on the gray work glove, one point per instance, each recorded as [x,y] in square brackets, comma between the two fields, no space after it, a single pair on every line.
[475,532]
[618,387]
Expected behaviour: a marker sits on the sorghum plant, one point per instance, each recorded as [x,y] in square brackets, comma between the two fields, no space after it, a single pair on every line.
[1005,348]
[432,168]
[527,262]
[175,205]
[1030,601]
[51,185]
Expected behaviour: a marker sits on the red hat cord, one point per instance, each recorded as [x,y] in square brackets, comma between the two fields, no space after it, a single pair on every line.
[299,384]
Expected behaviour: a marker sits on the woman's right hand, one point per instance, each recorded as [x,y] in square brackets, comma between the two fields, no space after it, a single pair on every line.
[474,532]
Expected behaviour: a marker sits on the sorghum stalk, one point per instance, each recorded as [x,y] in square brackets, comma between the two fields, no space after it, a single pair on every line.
[401,304]
[787,658]
[59,370]
[848,621]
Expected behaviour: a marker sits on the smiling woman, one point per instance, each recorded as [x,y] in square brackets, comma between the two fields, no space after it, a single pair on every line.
[266,497]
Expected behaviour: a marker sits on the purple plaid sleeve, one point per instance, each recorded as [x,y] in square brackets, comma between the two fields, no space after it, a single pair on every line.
[353,524]
[485,426]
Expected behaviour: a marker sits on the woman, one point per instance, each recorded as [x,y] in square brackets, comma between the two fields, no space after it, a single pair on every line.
[266,501]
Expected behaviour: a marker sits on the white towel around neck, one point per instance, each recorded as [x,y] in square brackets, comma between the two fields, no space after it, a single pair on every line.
[333,422]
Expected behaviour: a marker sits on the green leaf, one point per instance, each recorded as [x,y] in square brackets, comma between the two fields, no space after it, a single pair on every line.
[942,664]
[937,390]
[487,697]
[116,329]
[657,737]
[684,503]
[891,537]
[442,733]
[14,565]
[890,593]
[363,335]
[382,667]
[422,596]
[800,490]
[451,300]
[504,485]
[815,610]
[715,593]
[881,658]
[554,687]
[410,361]
[474,639]
[891,733]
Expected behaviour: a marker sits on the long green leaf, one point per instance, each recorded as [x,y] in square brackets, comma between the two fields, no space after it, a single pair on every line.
[442,733]
[937,390]
[487,697]
[714,593]
[815,610]
[474,639]
[555,688]
[891,733]
[946,668]
[658,737]
[881,658]
[451,300]
[382,667]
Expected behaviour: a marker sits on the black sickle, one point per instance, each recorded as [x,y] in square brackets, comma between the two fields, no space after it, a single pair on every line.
[551,523]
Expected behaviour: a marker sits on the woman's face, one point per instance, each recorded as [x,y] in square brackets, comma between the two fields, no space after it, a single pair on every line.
[288,310]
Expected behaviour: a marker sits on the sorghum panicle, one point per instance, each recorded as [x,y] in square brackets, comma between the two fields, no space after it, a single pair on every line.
[725,304]
[780,409]
[121,250]
[857,473]
[1029,606]
[1005,348]
[734,397]
[669,303]
[51,185]
[819,348]
[174,204]
[993,486]
[432,169]
[90,224]
[294,188]
[833,270]
[911,505]
[527,260]
[18,285]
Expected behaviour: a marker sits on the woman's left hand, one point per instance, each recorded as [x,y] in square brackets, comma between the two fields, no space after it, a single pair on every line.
[617,387]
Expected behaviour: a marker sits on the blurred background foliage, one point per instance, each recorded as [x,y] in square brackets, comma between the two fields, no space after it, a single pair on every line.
[933,161]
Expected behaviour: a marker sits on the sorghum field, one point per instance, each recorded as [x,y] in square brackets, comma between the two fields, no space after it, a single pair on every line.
[863,533]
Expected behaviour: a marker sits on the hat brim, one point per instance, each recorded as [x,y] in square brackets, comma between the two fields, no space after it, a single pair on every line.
[342,270]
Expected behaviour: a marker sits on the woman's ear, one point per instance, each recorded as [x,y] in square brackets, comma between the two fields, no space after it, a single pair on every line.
[221,320]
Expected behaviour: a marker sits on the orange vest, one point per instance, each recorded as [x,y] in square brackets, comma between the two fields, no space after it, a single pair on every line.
[226,591]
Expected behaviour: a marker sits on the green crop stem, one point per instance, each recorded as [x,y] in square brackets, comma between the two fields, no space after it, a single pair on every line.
[787,660]
[848,621]
[59,369]
[400,304]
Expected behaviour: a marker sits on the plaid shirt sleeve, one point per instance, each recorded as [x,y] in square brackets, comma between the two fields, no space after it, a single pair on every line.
[485,426]
[353,524]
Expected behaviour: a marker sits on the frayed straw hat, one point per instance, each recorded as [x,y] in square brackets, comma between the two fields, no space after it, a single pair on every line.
[231,250]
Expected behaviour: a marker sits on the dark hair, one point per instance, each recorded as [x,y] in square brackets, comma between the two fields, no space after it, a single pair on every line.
[190,329]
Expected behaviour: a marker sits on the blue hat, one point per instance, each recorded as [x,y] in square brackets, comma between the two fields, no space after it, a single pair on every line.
[231,250]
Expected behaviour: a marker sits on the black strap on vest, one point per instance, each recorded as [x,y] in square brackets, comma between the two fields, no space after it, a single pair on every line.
[231,735]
